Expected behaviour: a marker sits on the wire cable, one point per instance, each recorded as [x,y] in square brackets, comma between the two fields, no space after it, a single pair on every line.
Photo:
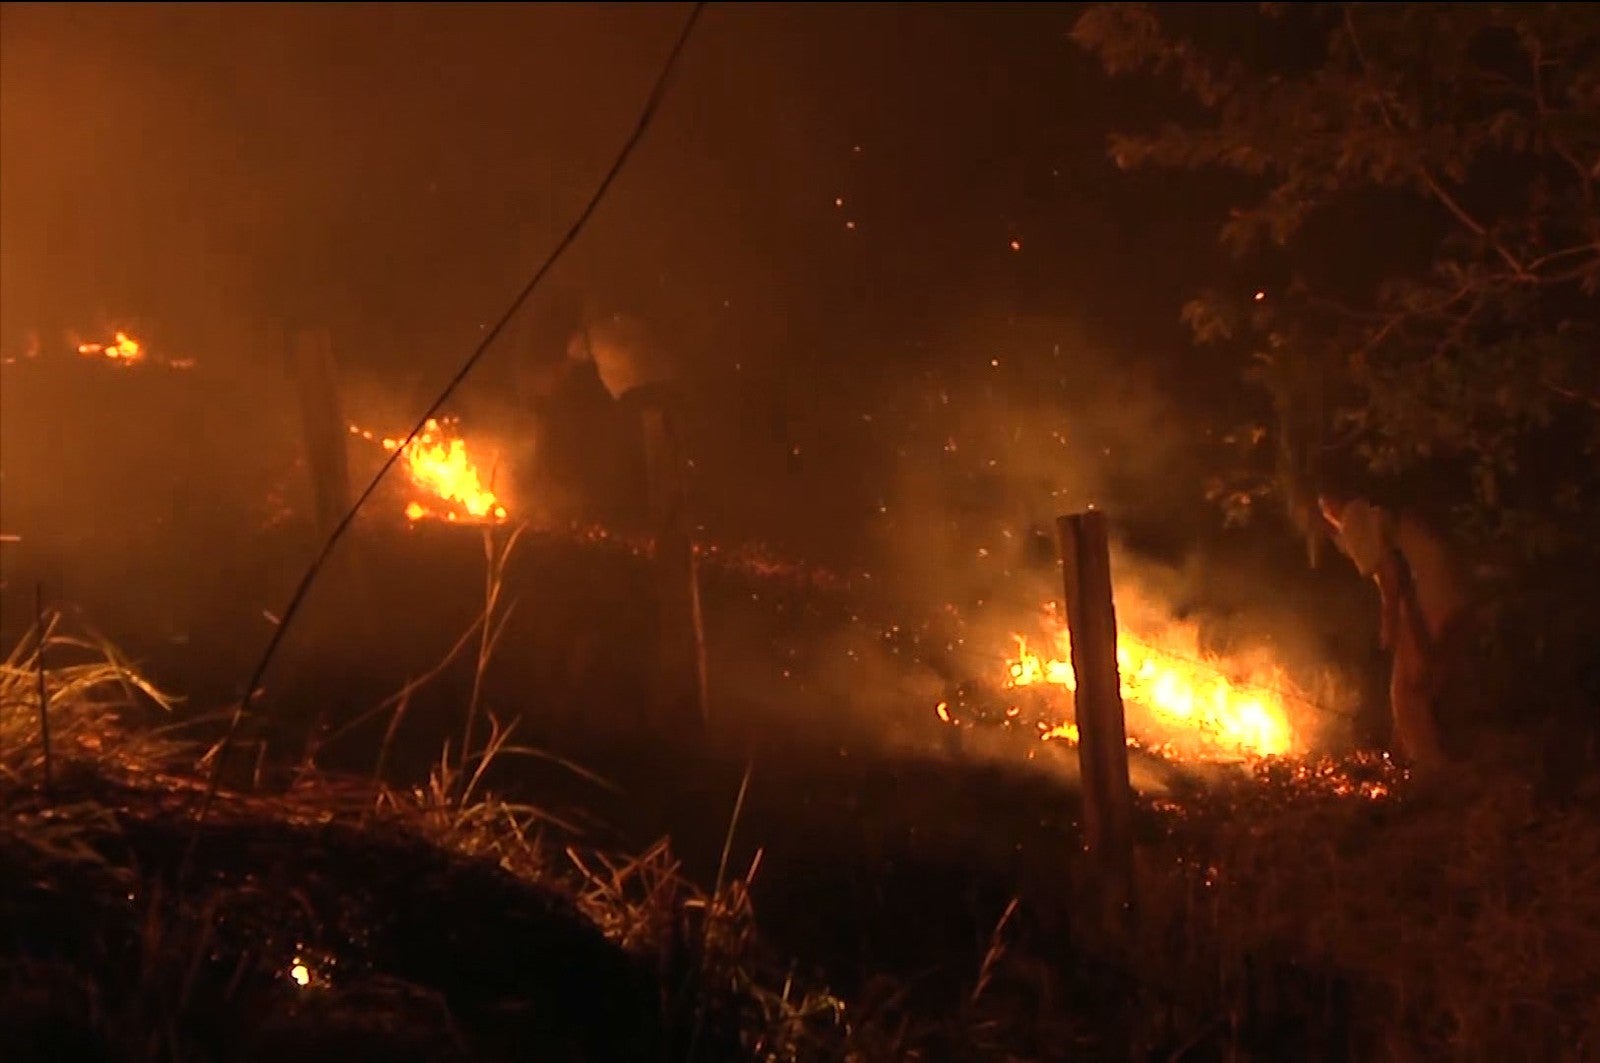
[297,599]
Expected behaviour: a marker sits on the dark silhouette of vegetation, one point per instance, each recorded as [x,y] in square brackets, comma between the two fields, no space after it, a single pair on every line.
[1420,180]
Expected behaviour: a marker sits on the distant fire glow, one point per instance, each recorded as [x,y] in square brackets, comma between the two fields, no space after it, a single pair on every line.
[123,349]
[444,477]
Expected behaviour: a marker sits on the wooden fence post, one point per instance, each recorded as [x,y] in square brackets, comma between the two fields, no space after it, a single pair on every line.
[322,418]
[1102,731]
[680,693]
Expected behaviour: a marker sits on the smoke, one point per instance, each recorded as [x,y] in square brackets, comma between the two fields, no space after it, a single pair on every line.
[1036,420]
[132,487]
[818,231]
[1025,420]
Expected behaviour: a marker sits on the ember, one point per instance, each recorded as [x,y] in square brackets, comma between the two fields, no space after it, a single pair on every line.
[1194,704]
[446,477]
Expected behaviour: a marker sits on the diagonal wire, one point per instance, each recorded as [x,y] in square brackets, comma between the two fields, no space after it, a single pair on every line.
[646,115]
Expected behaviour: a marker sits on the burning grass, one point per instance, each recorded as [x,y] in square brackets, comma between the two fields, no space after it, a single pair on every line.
[123,349]
[445,479]
[1188,699]
[1184,703]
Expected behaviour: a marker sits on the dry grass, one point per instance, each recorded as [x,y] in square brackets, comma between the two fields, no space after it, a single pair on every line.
[1307,911]
[703,946]
[89,690]
[1287,915]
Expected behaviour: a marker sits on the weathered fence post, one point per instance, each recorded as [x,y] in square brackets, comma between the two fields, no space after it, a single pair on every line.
[1102,732]
[680,694]
[316,383]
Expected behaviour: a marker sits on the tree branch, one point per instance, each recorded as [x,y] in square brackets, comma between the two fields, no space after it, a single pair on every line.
[1572,395]
[1439,192]
[1399,319]
[1578,249]
[1585,178]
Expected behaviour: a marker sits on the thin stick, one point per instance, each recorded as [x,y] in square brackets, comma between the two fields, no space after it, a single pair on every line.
[485,631]
[388,737]
[733,823]
[44,697]
[711,904]
[491,626]
[491,592]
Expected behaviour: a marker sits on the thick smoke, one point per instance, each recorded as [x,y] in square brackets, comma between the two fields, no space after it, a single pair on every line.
[1036,421]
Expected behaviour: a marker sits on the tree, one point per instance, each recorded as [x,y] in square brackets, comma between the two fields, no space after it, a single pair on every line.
[1424,176]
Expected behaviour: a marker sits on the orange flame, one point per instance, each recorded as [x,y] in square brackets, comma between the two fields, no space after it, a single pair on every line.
[442,469]
[1191,700]
[124,349]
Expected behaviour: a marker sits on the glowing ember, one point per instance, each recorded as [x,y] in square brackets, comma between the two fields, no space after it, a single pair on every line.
[1067,732]
[442,469]
[1190,700]
[299,973]
[124,349]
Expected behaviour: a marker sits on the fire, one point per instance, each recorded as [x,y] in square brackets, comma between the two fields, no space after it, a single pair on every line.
[442,469]
[124,349]
[1190,700]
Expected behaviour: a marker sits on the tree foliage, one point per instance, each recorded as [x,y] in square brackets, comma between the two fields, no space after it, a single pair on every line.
[1423,178]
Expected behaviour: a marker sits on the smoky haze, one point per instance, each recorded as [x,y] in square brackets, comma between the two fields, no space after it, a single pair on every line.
[915,310]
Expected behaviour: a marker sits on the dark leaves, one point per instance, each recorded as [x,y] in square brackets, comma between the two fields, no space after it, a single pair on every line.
[1473,348]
